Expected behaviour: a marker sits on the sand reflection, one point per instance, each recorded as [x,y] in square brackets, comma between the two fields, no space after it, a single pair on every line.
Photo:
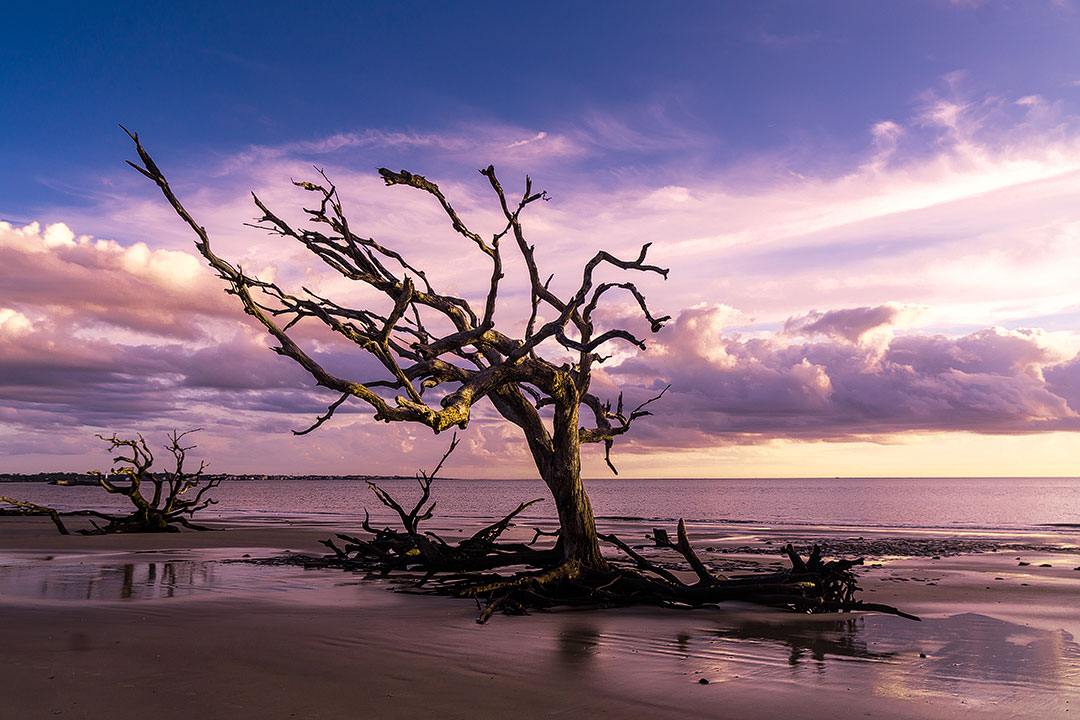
[985,659]
[577,644]
[966,659]
[811,642]
[73,581]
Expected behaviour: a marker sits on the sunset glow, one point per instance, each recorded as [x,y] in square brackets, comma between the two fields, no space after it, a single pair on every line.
[874,238]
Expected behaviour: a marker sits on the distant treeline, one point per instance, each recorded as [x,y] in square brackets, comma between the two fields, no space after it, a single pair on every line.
[56,478]
[71,478]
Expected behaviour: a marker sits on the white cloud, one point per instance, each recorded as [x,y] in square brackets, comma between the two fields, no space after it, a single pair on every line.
[13,323]
[86,281]
[535,138]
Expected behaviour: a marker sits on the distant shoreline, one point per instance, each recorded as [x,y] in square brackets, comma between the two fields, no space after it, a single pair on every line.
[88,479]
[73,479]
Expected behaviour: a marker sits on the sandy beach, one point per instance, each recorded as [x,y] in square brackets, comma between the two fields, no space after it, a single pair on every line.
[166,626]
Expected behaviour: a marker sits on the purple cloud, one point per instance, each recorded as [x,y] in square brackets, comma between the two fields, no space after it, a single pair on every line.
[1064,380]
[850,324]
[756,389]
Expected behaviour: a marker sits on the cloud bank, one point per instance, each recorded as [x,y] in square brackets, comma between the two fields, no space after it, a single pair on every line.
[930,288]
[121,338]
[726,388]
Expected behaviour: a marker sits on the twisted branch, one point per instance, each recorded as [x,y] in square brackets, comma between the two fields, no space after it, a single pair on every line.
[474,359]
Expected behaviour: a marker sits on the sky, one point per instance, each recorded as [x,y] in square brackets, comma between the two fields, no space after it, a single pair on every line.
[870,211]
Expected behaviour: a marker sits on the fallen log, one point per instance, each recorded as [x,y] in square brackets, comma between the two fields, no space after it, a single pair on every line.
[29,508]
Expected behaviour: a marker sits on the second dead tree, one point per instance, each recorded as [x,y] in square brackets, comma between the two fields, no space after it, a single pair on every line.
[161,500]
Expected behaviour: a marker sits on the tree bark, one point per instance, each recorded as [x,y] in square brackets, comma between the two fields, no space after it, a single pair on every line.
[558,461]
[578,537]
[580,543]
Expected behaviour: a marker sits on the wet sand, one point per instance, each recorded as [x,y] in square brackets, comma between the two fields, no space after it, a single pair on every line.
[163,627]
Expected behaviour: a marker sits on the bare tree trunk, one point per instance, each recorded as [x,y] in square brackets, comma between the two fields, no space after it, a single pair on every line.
[577,535]
[558,460]
[563,477]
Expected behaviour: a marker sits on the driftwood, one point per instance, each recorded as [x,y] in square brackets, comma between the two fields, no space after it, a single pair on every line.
[812,585]
[389,549]
[28,508]
[541,581]
[176,494]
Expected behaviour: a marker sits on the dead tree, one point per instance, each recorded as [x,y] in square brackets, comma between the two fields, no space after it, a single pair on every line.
[176,493]
[441,356]
[436,378]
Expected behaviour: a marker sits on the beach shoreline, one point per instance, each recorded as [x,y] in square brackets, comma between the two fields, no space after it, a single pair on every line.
[129,625]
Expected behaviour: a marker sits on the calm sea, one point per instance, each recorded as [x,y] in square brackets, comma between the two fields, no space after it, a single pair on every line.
[950,503]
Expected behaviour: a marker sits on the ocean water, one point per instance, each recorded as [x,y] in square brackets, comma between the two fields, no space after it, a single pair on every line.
[1039,504]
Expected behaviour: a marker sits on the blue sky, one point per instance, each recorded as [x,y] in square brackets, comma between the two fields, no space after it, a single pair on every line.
[839,187]
[744,78]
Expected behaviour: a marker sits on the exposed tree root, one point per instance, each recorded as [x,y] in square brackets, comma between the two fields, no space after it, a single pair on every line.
[810,586]
[388,550]
[543,579]
[546,579]
[134,523]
